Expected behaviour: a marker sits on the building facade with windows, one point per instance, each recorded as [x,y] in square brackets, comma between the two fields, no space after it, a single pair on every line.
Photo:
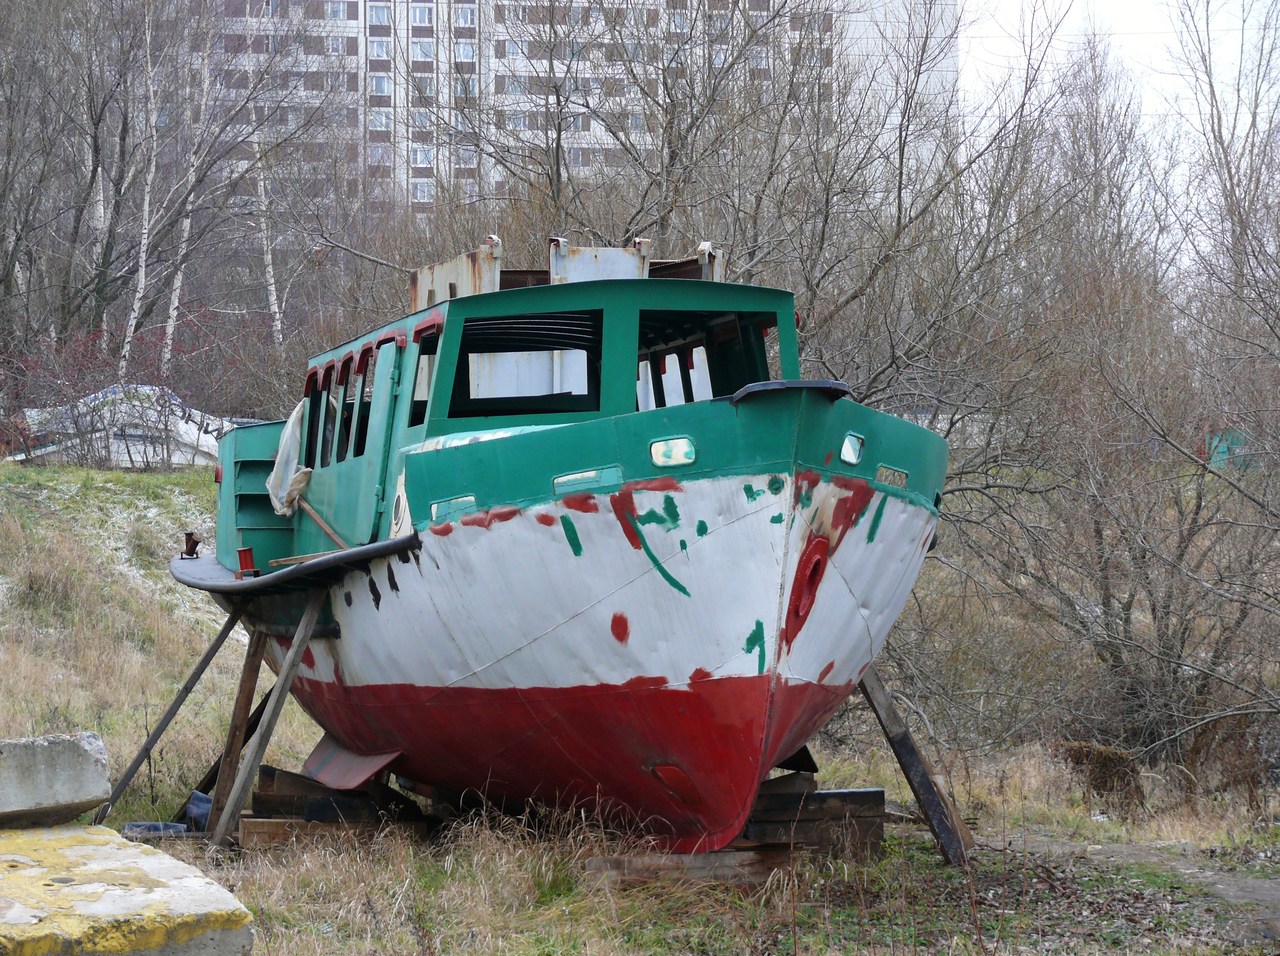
[461,93]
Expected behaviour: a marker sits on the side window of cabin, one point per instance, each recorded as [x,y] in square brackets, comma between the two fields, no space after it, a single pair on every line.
[348,404]
[365,402]
[422,378]
[693,356]
[314,415]
[330,409]
[529,364]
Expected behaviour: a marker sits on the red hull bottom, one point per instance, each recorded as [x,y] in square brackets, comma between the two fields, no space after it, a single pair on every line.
[685,763]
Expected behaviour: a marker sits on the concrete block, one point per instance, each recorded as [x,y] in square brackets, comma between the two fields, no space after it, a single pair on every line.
[45,781]
[72,890]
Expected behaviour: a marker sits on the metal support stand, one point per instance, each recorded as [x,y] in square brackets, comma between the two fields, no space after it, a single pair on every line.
[248,769]
[953,836]
[183,693]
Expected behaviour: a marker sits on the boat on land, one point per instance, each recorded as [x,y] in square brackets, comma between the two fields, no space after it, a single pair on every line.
[583,535]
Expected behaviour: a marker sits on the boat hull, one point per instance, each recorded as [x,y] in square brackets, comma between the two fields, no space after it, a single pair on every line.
[656,649]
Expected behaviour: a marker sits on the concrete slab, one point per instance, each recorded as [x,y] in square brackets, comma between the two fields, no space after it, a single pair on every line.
[51,780]
[70,890]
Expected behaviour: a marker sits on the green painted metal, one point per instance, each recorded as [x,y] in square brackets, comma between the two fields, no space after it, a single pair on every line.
[780,432]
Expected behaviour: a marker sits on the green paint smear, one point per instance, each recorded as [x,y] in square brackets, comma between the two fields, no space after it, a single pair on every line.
[806,498]
[571,535]
[669,519]
[701,528]
[684,545]
[653,559]
[776,519]
[875,519]
[756,643]
[776,484]
[751,493]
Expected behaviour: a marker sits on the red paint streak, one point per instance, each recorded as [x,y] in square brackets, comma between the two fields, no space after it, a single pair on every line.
[624,509]
[826,461]
[699,673]
[484,519]
[585,503]
[805,481]
[442,530]
[545,519]
[594,744]
[862,670]
[822,674]
[849,508]
[804,587]
[646,683]
[665,483]
[620,627]
[308,659]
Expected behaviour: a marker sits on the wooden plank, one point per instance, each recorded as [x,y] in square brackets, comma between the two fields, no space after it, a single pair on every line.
[324,525]
[740,866]
[258,746]
[238,731]
[819,804]
[257,833]
[953,836]
[183,693]
[862,838]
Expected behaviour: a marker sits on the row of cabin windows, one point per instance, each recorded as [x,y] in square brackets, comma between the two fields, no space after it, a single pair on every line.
[539,364]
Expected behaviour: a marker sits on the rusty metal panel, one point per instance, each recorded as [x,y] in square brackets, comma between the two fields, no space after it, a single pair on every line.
[337,767]
[568,263]
[472,273]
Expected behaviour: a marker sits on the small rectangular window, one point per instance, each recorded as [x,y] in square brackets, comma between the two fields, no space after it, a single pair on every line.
[422,50]
[380,119]
[379,49]
[379,14]
[464,52]
[422,156]
[421,15]
[335,9]
[424,190]
[422,380]
[379,84]
[335,46]
[365,390]
[530,364]
[464,16]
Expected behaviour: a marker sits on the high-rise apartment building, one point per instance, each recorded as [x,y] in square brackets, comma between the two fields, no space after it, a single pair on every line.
[470,92]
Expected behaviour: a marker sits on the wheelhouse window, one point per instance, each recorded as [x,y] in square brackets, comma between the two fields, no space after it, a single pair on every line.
[427,336]
[529,364]
[688,356]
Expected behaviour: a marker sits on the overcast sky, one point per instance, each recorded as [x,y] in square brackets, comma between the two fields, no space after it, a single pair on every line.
[1141,33]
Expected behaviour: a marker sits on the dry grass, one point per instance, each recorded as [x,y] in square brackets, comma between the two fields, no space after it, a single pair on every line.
[93,635]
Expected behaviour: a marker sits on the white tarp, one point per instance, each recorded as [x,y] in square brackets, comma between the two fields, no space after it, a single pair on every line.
[287,481]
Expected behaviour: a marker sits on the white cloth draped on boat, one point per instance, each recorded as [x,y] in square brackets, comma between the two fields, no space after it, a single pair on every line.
[287,481]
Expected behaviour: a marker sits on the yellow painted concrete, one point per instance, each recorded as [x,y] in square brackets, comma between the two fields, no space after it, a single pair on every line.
[72,889]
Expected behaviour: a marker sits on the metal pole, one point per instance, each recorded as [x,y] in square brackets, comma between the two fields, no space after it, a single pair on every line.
[232,619]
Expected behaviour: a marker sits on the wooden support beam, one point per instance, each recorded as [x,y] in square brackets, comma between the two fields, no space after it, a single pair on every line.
[238,731]
[953,836]
[324,525]
[210,778]
[183,693]
[275,703]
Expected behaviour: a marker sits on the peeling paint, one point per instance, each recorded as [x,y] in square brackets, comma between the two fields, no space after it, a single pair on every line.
[755,642]
[586,503]
[571,535]
[620,628]
[544,519]
[375,593]
[875,520]
[751,493]
[701,528]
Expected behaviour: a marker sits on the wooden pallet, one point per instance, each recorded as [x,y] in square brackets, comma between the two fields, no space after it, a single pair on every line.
[790,817]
